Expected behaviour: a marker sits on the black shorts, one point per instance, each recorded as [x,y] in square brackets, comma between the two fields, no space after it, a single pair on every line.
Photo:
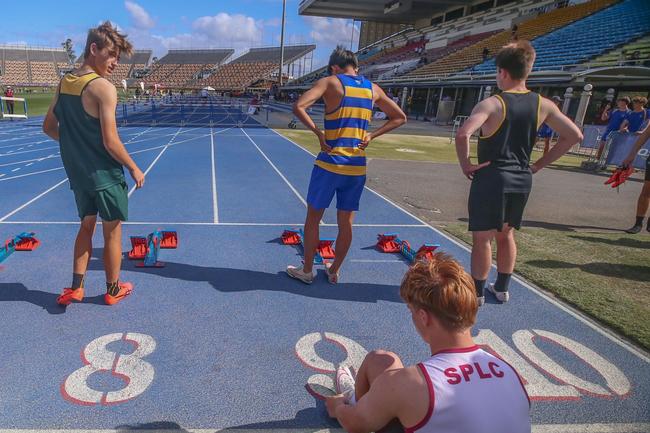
[490,208]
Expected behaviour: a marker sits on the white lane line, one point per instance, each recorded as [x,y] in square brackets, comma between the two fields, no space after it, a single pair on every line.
[130,153]
[31,174]
[156,160]
[295,191]
[19,208]
[2,175]
[536,428]
[215,208]
[206,223]
[376,261]
[15,169]
[28,151]
[610,335]
[27,165]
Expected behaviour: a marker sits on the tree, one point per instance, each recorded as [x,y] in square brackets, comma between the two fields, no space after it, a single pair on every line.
[68,46]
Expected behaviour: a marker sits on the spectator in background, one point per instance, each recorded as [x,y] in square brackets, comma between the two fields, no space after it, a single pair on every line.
[614,120]
[636,119]
[545,131]
[9,93]
[485,53]
[599,119]
[513,32]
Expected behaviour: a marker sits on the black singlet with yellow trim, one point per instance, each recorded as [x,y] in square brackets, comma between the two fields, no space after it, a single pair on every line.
[87,163]
[508,149]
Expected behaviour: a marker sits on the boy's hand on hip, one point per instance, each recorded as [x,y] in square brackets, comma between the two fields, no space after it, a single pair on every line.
[366,141]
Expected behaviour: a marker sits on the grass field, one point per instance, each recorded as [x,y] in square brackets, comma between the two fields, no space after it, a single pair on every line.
[37,103]
[605,275]
[412,148]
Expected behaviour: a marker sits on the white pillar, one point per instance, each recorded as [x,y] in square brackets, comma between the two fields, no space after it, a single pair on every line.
[584,102]
[567,100]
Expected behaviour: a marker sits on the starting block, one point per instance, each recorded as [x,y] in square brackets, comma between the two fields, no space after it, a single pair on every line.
[391,243]
[148,248]
[620,175]
[22,242]
[324,250]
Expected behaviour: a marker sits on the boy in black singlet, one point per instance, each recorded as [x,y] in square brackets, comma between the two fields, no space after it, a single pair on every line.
[502,179]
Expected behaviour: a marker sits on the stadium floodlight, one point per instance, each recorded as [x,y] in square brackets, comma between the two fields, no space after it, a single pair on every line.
[392,6]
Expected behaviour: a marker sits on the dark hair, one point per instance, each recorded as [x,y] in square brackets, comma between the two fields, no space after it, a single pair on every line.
[517,59]
[624,99]
[343,58]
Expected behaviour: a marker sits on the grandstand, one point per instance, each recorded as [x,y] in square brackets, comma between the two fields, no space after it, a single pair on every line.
[575,43]
[530,29]
[636,53]
[257,66]
[32,66]
[182,68]
[127,65]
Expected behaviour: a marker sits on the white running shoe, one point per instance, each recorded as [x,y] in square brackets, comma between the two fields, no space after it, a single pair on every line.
[332,278]
[344,383]
[501,296]
[298,273]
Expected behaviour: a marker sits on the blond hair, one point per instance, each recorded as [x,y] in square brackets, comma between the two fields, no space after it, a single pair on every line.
[640,100]
[107,36]
[442,287]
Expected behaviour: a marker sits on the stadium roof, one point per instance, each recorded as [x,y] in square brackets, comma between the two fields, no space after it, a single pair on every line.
[394,11]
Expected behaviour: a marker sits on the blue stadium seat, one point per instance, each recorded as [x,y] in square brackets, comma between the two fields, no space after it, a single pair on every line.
[586,38]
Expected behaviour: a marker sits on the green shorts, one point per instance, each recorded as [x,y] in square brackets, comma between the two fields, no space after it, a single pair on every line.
[111,203]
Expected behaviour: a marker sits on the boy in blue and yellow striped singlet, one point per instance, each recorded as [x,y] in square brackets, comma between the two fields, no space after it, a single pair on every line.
[340,167]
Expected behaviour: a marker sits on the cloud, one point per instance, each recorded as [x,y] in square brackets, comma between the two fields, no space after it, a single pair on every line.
[235,30]
[141,18]
[332,30]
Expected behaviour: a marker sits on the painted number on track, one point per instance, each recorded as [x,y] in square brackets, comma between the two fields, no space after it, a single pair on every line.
[136,373]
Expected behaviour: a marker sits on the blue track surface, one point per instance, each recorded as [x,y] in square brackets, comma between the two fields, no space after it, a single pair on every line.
[226,339]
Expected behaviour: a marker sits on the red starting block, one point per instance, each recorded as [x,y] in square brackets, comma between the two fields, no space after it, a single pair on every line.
[147,248]
[387,243]
[22,242]
[326,248]
[291,237]
[391,243]
[426,252]
[138,248]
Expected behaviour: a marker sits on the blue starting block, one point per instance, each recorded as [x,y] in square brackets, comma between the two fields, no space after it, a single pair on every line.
[148,248]
[22,242]
[391,243]
[324,250]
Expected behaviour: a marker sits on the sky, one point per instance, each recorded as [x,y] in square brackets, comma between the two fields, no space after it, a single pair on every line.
[162,24]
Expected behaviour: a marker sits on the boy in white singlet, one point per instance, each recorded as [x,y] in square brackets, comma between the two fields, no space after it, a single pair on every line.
[460,388]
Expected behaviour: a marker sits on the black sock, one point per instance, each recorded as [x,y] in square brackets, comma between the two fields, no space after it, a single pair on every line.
[113,288]
[479,285]
[639,221]
[77,281]
[502,283]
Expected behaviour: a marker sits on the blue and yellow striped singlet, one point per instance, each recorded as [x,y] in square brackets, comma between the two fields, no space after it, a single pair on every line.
[346,126]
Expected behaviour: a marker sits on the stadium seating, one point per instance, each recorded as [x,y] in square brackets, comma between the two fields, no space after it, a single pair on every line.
[255,65]
[180,67]
[577,42]
[634,53]
[530,29]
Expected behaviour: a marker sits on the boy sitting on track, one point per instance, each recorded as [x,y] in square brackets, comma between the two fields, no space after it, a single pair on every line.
[340,167]
[460,388]
[82,119]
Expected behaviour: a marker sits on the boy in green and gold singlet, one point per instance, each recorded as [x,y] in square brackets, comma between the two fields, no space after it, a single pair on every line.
[82,119]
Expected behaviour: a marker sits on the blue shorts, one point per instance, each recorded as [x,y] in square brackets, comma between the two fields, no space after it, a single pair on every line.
[545,131]
[324,184]
[606,133]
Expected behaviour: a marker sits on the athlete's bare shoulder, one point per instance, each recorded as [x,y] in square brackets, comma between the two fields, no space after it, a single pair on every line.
[101,87]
